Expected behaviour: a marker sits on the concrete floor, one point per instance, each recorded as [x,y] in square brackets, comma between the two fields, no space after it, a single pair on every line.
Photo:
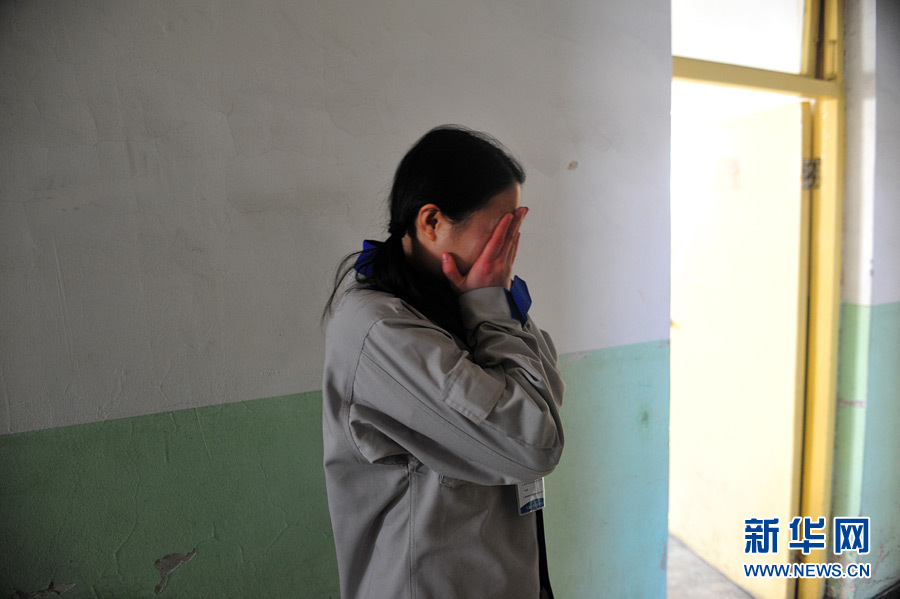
[689,577]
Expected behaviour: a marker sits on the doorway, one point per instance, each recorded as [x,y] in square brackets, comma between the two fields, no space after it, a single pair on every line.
[740,222]
[756,169]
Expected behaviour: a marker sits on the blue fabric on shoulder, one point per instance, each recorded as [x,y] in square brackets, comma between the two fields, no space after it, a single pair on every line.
[519,300]
[363,264]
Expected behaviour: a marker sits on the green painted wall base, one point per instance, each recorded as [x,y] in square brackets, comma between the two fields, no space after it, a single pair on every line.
[96,505]
[867,443]
[881,461]
[242,484]
[608,500]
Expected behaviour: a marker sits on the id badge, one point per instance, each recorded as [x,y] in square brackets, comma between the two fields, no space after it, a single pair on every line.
[531,496]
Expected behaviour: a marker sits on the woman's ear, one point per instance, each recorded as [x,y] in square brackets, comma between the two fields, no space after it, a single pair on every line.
[428,221]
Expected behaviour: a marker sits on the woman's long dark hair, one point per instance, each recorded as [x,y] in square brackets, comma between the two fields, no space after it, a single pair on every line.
[459,171]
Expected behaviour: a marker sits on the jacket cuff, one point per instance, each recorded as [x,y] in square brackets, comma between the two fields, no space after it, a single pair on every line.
[483,305]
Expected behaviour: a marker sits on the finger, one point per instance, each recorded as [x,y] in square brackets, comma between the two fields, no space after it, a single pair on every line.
[515,249]
[495,245]
[510,260]
[448,265]
[522,213]
[518,217]
[516,220]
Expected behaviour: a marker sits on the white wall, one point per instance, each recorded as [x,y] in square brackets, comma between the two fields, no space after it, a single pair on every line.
[179,179]
[872,191]
[859,181]
[886,283]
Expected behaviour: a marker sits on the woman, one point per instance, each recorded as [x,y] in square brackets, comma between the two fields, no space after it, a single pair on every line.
[441,396]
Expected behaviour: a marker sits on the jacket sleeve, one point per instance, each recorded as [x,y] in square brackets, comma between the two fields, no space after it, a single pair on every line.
[489,416]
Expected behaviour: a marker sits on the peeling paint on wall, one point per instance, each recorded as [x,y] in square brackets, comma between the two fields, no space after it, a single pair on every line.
[53,589]
[166,564]
[152,503]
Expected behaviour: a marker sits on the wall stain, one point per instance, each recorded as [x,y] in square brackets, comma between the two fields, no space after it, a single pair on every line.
[166,564]
[644,421]
[851,403]
[575,357]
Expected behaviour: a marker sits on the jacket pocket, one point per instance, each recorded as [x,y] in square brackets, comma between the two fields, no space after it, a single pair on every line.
[452,483]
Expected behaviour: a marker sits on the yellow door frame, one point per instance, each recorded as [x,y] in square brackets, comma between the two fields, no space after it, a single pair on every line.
[821,79]
[825,288]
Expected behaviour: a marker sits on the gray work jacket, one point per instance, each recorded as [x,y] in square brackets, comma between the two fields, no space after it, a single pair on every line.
[426,437]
